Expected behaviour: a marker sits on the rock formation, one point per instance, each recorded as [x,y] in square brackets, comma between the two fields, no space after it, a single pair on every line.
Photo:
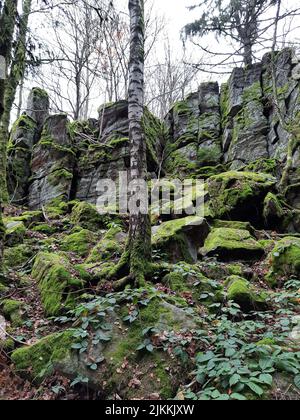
[222,295]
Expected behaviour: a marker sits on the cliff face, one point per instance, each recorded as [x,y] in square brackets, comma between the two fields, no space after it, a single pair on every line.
[216,129]
[237,123]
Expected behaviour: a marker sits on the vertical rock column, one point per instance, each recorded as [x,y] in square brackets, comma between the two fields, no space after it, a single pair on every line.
[24,134]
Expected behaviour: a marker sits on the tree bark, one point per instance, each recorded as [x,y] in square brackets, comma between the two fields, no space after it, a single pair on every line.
[18,66]
[7,28]
[139,241]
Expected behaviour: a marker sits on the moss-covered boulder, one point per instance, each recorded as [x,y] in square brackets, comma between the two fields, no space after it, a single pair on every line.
[15,232]
[273,211]
[180,239]
[79,242]
[232,244]
[14,311]
[284,260]
[244,294]
[29,218]
[57,281]
[86,215]
[37,360]
[17,255]
[110,246]
[239,195]
[113,361]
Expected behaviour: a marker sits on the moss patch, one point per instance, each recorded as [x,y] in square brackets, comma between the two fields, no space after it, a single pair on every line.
[79,242]
[56,280]
[229,244]
[284,259]
[37,360]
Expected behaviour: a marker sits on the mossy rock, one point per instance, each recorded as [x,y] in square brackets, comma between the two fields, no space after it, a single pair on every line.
[7,345]
[37,360]
[30,218]
[243,293]
[14,311]
[17,255]
[110,246]
[232,244]
[44,228]
[239,195]
[180,239]
[158,371]
[15,232]
[284,260]
[273,212]
[86,215]
[57,282]
[57,208]
[79,243]
[233,225]
[175,281]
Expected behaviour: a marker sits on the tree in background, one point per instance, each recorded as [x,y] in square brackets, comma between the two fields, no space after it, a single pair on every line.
[16,74]
[168,81]
[243,22]
[8,22]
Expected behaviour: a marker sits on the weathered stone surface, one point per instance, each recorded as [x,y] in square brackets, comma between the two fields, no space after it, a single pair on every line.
[38,106]
[181,238]
[109,153]
[22,138]
[239,195]
[194,131]
[52,164]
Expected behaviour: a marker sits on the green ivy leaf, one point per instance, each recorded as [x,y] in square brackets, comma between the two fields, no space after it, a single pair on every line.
[297,381]
[255,388]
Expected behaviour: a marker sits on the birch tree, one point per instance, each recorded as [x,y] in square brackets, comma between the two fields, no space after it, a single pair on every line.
[139,242]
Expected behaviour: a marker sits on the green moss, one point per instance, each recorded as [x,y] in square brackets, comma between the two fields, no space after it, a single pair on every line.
[232,225]
[79,242]
[56,281]
[37,360]
[224,103]
[86,216]
[7,345]
[241,292]
[44,228]
[25,123]
[230,243]
[284,260]
[59,176]
[235,194]
[57,207]
[111,245]
[15,232]
[169,238]
[273,210]
[40,93]
[209,155]
[17,255]
[13,310]
[29,218]
[175,281]
[269,166]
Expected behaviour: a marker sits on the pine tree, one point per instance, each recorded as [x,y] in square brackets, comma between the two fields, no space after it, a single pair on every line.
[239,20]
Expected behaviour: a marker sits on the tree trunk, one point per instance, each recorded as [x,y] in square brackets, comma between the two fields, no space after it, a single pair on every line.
[16,75]
[7,27]
[248,60]
[139,242]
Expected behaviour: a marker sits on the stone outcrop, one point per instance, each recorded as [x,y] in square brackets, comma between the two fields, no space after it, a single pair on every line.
[216,129]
